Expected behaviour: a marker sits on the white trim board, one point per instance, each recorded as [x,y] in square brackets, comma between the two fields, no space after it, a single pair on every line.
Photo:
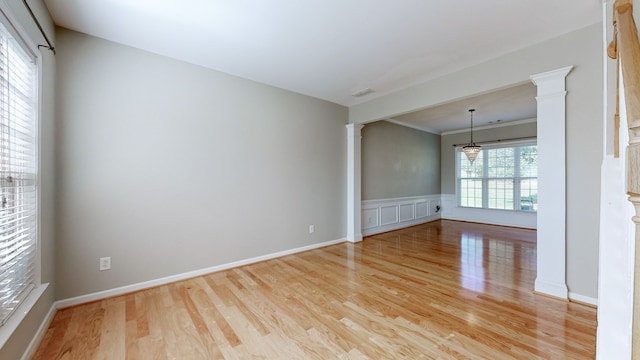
[14,321]
[42,330]
[583,299]
[187,275]
[412,126]
[491,126]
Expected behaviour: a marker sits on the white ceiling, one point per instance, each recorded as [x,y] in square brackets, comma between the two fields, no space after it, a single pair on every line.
[492,109]
[328,49]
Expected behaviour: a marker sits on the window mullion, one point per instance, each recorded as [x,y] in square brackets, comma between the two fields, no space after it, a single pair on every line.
[516,179]
[458,178]
[485,180]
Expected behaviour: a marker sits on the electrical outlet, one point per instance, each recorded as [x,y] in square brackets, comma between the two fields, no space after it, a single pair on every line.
[105,263]
[311,229]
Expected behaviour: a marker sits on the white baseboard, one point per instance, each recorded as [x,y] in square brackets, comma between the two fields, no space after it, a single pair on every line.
[191,274]
[556,290]
[354,238]
[402,225]
[583,299]
[42,330]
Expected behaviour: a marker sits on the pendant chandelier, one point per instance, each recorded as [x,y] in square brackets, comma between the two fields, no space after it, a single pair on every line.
[471,149]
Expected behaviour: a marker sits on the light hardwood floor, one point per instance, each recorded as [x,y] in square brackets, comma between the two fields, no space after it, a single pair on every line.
[442,290]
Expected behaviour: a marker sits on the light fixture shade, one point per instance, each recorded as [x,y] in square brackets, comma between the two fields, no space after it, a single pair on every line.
[471,151]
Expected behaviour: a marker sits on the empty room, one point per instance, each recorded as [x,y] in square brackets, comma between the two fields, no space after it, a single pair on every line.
[318,180]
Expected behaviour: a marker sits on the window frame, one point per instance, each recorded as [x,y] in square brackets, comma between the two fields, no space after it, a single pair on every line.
[485,178]
[22,37]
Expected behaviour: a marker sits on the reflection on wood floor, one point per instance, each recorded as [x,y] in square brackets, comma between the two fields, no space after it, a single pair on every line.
[442,290]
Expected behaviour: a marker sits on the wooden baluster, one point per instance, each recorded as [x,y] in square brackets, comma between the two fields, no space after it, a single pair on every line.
[626,48]
[616,119]
[612,51]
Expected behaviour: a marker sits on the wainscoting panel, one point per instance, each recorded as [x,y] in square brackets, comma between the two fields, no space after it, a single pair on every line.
[370,218]
[406,211]
[422,209]
[523,219]
[390,214]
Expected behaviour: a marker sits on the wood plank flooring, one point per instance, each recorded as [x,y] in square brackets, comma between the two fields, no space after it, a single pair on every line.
[442,290]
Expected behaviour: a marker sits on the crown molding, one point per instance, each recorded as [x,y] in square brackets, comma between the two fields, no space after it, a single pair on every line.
[492,126]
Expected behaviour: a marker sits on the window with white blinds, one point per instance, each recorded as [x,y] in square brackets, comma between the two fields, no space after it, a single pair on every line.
[18,110]
[503,176]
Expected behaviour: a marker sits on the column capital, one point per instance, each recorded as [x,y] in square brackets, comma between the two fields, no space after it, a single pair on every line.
[551,81]
[353,126]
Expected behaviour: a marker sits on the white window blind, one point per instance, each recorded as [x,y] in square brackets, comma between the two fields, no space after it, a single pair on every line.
[18,109]
[502,177]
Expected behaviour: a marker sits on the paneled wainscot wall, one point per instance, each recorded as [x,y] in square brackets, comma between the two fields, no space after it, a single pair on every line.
[383,215]
[522,219]
[390,214]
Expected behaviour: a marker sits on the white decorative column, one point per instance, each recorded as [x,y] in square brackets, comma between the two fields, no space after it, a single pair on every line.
[552,241]
[354,227]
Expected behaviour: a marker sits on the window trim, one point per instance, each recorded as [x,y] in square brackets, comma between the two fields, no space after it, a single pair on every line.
[485,189]
[11,23]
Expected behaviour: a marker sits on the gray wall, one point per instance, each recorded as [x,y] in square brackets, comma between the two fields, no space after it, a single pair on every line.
[448,172]
[398,161]
[169,167]
[18,342]
[581,48]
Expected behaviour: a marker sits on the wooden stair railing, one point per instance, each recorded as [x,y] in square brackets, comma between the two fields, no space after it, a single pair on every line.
[626,48]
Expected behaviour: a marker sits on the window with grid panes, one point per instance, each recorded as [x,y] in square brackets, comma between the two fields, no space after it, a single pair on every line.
[18,149]
[502,177]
